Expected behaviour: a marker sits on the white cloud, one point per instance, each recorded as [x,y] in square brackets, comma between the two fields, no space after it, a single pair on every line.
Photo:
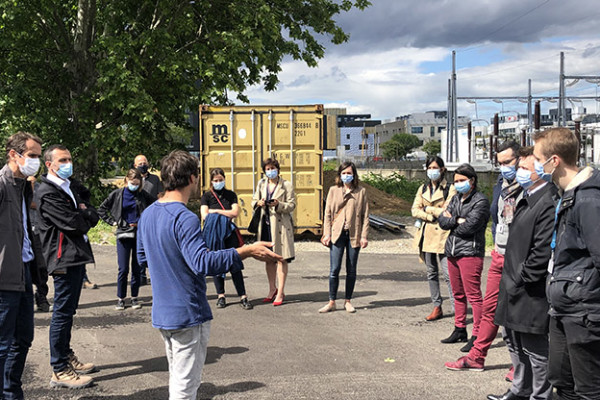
[378,73]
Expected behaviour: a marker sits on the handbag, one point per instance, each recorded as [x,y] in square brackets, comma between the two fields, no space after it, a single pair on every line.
[236,230]
[126,233]
[255,221]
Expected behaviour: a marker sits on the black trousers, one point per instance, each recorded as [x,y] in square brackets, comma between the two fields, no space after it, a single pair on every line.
[574,358]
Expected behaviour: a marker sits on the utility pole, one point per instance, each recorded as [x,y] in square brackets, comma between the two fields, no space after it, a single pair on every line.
[454,106]
[449,124]
[561,92]
[529,114]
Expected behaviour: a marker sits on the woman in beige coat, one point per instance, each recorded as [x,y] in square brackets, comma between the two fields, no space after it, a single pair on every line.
[277,199]
[430,201]
[345,227]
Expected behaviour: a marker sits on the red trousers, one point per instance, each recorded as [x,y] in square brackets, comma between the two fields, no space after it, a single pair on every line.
[465,278]
[487,328]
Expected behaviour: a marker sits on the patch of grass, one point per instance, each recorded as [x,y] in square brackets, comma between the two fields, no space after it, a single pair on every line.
[395,184]
[330,165]
[489,238]
[102,234]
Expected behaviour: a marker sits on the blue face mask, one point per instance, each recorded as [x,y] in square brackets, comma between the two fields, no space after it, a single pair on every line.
[218,185]
[65,171]
[508,172]
[539,170]
[271,173]
[524,178]
[462,187]
[346,178]
[132,188]
[434,174]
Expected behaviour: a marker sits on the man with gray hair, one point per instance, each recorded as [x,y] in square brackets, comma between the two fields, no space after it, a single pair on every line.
[17,260]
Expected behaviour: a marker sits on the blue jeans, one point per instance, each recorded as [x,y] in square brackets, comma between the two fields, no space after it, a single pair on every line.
[67,289]
[336,253]
[125,252]
[16,335]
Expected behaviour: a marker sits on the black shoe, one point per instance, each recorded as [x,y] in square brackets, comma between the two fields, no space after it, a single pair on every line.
[245,304]
[467,347]
[458,335]
[506,396]
[42,303]
[221,302]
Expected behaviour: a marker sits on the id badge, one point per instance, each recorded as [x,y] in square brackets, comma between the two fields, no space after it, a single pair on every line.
[551,264]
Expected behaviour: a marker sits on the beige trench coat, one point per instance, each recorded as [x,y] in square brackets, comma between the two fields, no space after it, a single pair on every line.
[430,238]
[358,226]
[280,217]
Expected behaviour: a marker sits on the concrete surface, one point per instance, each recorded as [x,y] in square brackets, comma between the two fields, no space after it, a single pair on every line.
[384,351]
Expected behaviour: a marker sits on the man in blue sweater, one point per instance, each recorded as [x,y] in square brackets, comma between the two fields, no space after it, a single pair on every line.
[171,244]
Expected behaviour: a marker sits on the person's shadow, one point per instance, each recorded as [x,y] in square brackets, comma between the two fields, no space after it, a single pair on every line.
[159,364]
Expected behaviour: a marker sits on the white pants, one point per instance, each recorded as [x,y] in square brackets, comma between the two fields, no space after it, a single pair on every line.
[186,353]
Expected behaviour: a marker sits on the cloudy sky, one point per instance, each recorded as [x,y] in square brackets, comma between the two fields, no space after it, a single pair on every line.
[398,59]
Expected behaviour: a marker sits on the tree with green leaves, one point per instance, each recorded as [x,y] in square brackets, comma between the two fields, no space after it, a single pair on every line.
[432,148]
[400,145]
[112,78]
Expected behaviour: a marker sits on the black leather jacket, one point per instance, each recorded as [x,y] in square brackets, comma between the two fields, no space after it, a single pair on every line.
[466,239]
[111,208]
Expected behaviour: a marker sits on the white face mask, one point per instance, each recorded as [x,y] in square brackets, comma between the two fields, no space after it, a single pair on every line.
[32,165]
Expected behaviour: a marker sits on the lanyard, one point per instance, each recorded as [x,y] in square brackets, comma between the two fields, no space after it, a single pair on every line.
[553,243]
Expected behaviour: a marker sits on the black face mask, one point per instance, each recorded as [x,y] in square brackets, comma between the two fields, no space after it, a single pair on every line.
[143,169]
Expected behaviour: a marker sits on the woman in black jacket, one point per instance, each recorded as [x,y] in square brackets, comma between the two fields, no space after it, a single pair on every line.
[122,208]
[466,218]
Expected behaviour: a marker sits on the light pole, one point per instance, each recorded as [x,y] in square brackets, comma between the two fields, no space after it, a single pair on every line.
[474,102]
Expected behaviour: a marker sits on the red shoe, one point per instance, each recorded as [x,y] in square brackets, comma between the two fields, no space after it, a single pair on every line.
[510,375]
[278,303]
[270,299]
[464,364]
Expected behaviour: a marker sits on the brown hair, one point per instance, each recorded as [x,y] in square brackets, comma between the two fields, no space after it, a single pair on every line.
[18,142]
[216,172]
[177,168]
[343,166]
[526,151]
[133,174]
[561,142]
[270,161]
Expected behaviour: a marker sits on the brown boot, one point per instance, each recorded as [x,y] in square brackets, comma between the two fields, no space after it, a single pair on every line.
[79,367]
[70,379]
[435,314]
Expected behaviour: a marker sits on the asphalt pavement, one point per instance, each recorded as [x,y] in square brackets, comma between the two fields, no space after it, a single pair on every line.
[386,350]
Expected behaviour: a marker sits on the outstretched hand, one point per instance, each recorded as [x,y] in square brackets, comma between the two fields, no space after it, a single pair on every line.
[259,251]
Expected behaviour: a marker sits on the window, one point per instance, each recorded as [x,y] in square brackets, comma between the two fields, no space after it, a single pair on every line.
[432,131]
[347,136]
[347,147]
[441,128]
[416,129]
[363,146]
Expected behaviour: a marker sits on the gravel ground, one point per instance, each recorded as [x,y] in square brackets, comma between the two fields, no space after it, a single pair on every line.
[380,242]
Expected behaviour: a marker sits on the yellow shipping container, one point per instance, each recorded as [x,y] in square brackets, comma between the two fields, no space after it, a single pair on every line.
[239,138]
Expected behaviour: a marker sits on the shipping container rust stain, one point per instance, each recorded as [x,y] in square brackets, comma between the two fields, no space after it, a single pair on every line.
[239,138]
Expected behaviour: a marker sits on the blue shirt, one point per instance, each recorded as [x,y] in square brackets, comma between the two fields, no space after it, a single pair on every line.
[169,240]
[27,251]
[129,213]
